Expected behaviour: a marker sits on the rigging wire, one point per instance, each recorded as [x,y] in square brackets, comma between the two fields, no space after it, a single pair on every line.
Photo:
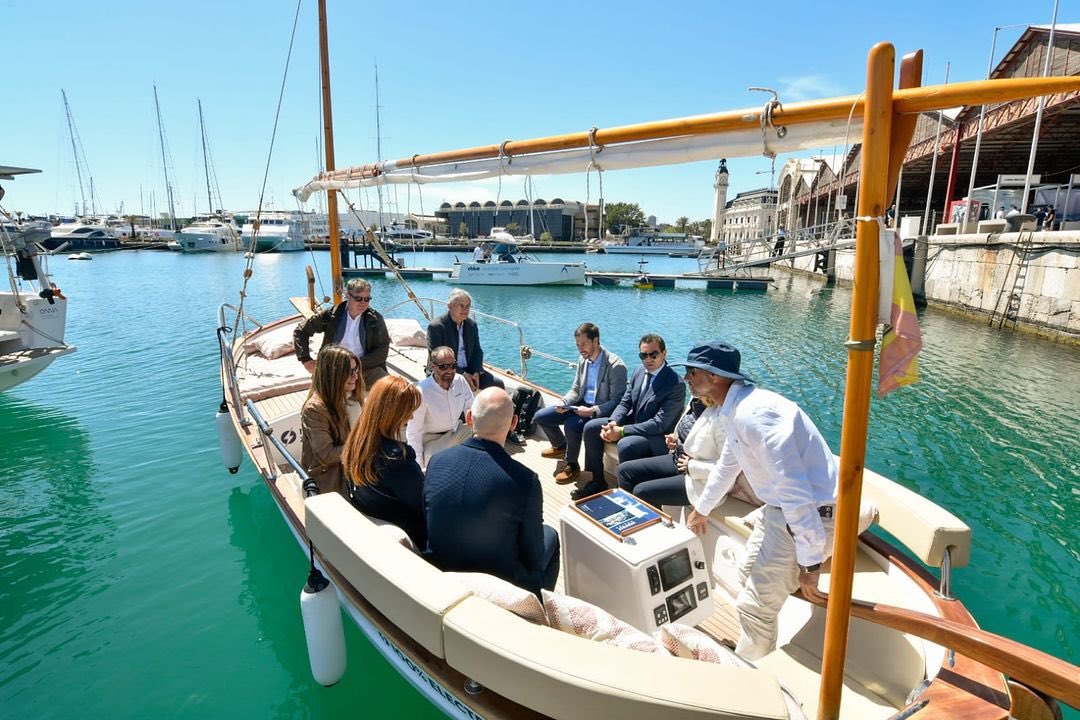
[266,174]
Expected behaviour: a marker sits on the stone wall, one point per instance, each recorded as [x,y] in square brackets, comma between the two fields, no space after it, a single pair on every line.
[969,273]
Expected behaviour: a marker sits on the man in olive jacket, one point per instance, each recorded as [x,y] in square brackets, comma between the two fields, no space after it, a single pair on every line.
[353,324]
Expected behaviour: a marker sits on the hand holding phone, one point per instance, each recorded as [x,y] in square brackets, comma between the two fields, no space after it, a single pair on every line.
[562,408]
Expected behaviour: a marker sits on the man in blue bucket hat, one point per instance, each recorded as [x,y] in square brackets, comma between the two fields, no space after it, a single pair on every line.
[790,467]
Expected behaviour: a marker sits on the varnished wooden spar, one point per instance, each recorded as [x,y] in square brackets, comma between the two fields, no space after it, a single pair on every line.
[328,142]
[905,102]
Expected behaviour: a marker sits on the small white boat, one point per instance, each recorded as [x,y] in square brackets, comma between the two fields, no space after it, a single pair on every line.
[509,267]
[80,256]
[650,242]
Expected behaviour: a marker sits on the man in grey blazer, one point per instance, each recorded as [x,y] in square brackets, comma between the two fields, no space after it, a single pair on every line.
[649,409]
[599,384]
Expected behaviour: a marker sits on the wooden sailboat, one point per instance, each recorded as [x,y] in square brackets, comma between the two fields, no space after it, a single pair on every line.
[912,648]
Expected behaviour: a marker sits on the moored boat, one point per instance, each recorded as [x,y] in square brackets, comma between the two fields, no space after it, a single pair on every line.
[33,311]
[508,266]
[208,233]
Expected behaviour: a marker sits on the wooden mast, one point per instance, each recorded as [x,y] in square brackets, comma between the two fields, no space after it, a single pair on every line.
[886,136]
[328,133]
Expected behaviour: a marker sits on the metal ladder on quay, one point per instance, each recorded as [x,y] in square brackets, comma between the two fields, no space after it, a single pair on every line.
[1012,300]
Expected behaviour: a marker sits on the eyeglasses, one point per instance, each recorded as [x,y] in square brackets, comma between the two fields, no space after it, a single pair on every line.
[690,372]
[360,298]
[354,371]
[651,355]
[443,366]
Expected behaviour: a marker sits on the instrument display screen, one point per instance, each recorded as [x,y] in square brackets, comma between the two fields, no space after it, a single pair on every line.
[675,569]
[681,603]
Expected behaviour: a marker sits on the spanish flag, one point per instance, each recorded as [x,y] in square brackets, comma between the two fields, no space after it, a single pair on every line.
[902,340]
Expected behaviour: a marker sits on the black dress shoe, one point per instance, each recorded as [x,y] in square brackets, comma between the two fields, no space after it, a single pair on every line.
[590,488]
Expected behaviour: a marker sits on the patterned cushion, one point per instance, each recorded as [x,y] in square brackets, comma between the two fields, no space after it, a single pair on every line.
[687,642]
[504,594]
[273,344]
[583,619]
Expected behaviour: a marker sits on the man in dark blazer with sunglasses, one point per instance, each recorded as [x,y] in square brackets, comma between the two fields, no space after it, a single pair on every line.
[650,408]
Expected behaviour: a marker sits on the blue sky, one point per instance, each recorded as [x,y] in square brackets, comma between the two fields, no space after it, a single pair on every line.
[451,75]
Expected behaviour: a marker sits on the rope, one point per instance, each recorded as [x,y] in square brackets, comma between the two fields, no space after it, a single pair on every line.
[594,149]
[771,106]
[266,174]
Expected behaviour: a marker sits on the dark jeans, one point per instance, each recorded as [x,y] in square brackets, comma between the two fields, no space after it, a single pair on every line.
[553,424]
[655,480]
[551,557]
[630,447]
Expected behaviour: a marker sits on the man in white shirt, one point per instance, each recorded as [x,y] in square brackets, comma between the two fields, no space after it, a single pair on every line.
[790,467]
[439,422]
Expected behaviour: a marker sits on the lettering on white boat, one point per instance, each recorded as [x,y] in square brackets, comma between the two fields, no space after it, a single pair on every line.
[288,437]
[431,682]
[47,310]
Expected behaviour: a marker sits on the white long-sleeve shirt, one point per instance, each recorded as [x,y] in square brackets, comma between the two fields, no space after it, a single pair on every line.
[440,410]
[785,459]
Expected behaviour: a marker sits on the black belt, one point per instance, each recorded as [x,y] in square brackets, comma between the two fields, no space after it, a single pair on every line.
[825,511]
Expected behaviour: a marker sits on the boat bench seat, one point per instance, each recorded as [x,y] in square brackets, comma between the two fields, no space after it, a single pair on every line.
[564,676]
[413,594]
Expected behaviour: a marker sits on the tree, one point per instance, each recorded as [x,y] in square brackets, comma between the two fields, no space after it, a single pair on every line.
[681,223]
[512,228]
[131,221]
[545,237]
[463,229]
[623,215]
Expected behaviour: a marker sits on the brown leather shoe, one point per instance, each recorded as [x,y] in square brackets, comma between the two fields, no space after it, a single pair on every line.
[569,474]
[554,452]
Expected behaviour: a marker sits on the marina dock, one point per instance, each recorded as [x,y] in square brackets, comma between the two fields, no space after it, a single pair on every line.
[595,278]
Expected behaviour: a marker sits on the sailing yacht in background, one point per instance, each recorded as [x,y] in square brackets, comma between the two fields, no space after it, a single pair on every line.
[214,231]
[173,244]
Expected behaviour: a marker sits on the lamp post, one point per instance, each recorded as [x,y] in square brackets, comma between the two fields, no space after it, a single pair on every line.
[1039,112]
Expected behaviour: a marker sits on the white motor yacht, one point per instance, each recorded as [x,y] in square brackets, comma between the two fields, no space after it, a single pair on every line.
[84,234]
[33,312]
[277,232]
[208,233]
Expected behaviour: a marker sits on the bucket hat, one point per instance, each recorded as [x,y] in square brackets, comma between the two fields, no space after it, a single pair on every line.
[716,357]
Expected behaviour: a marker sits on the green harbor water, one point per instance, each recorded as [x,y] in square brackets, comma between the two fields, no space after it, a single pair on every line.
[138,578]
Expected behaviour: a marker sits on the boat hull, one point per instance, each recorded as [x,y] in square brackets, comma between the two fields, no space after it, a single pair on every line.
[690,251]
[519,273]
[273,244]
[197,242]
[17,368]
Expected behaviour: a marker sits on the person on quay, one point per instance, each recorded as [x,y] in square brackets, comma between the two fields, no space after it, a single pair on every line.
[439,422]
[457,330]
[790,467]
[649,409]
[778,247]
[384,480]
[1051,218]
[599,384]
[331,409]
[354,325]
[484,509]
[1000,214]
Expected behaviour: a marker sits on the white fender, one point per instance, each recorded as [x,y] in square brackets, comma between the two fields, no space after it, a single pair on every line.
[324,633]
[228,441]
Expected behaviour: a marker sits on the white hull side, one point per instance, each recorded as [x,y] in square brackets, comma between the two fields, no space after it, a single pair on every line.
[521,273]
[205,242]
[650,249]
[18,372]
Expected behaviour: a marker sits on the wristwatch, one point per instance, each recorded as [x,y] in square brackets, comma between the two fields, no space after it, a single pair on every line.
[810,568]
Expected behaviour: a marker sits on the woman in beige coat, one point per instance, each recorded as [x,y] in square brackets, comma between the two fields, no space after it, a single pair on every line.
[337,390]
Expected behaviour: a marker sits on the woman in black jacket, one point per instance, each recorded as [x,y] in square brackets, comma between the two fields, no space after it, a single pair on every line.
[385,481]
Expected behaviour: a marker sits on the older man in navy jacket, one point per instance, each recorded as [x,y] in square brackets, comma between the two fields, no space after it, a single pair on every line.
[484,509]
[458,331]
[650,408]
[599,384]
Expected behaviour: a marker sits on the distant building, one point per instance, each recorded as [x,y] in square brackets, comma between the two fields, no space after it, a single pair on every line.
[564,219]
[749,215]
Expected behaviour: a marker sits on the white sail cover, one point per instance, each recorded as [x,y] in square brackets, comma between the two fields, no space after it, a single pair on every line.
[645,153]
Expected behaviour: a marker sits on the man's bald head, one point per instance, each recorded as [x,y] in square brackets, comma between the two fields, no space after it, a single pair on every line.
[492,415]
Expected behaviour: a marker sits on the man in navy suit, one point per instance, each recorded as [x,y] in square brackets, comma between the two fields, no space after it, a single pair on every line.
[650,408]
[458,331]
[484,509]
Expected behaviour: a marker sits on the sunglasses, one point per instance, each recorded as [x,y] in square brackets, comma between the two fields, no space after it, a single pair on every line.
[354,371]
[443,366]
[360,298]
[651,355]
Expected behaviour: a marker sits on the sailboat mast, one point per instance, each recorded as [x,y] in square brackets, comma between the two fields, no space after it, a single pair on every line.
[74,149]
[378,142]
[328,133]
[164,162]
[206,162]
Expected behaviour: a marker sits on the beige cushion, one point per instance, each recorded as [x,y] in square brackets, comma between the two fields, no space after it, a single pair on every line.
[411,593]
[505,594]
[586,620]
[406,332]
[563,676]
[924,528]
[272,343]
[396,533]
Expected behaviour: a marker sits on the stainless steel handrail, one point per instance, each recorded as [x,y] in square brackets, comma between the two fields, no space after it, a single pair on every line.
[266,435]
[524,351]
